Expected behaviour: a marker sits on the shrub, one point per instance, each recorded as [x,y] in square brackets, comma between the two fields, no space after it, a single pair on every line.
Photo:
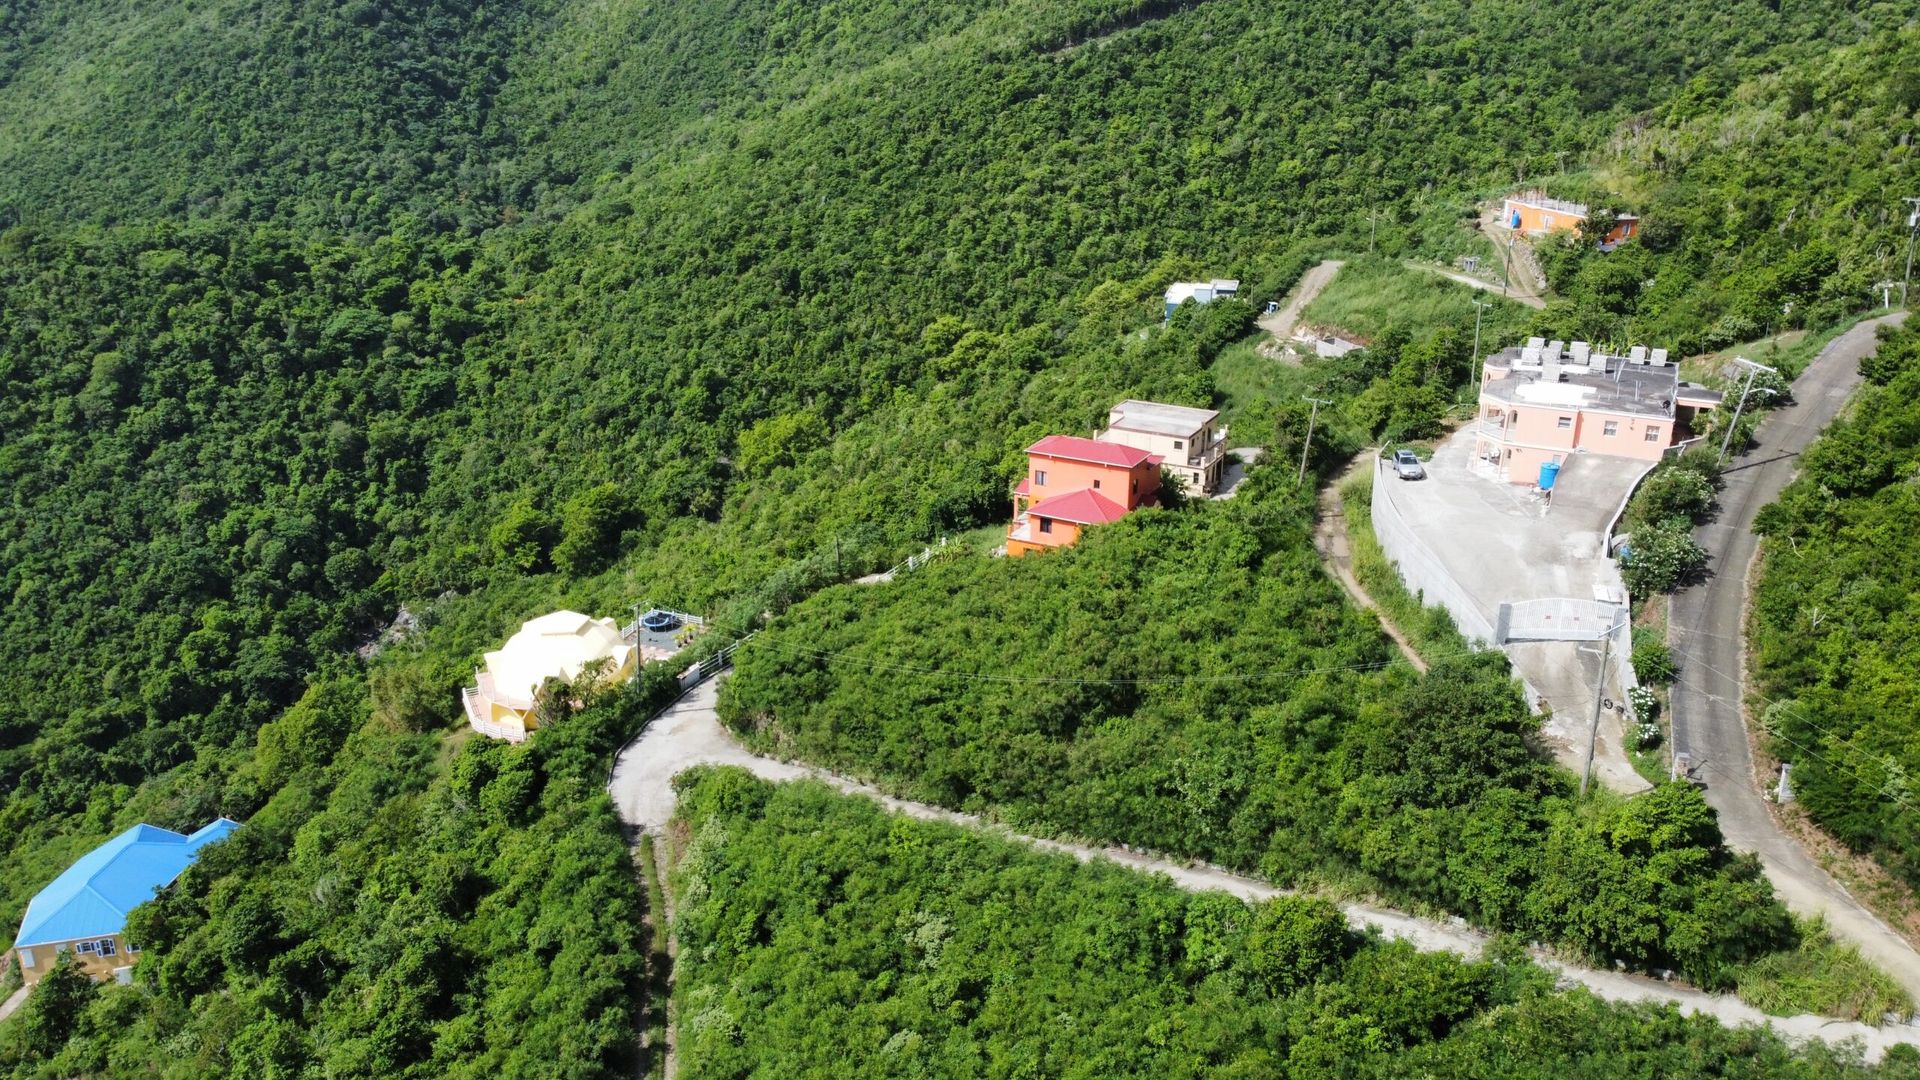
[1652,659]
[1661,556]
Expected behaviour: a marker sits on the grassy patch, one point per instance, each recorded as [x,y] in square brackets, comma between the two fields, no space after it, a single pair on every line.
[1822,976]
[1241,375]
[1790,351]
[1429,628]
[1371,295]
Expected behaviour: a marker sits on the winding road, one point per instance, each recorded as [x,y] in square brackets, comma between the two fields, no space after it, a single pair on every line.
[1708,635]
[1281,323]
[689,733]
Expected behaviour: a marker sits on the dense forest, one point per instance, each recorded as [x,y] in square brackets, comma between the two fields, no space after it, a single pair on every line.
[820,937]
[1835,635]
[311,311]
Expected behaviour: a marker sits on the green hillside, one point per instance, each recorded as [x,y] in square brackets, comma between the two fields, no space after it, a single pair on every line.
[311,311]
[888,947]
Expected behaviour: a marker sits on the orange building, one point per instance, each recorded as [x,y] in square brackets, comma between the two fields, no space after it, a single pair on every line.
[1533,214]
[1072,483]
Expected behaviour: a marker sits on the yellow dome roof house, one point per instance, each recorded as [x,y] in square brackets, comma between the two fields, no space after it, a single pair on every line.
[560,645]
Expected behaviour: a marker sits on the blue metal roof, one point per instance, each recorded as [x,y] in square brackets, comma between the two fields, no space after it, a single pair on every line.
[92,898]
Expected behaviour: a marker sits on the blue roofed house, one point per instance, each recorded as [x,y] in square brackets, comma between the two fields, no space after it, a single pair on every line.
[84,910]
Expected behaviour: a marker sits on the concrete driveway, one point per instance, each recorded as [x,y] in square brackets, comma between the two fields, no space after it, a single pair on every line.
[1493,542]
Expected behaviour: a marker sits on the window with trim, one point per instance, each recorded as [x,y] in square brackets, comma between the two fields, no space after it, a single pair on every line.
[106,947]
[1039,478]
[1653,433]
[86,948]
[1566,422]
[1178,445]
[1611,427]
[26,958]
[1046,525]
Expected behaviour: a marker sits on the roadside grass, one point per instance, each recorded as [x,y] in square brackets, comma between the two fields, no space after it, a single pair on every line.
[1825,977]
[1428,628]
[1371,294]
[1790,351]
[1242,376]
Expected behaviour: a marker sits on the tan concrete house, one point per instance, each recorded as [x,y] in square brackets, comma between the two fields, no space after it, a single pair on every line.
[1192,443]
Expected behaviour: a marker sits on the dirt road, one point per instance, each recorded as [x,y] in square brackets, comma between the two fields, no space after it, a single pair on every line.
[1281,323]
[1709,641]
[1474,282]
[1336,554]
[689,733]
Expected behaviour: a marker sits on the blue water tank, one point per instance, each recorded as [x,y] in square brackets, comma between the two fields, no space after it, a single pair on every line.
[1514,223]
[1549,472]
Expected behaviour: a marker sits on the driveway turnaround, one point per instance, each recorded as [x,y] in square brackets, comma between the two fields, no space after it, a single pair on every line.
[1473,542]
[689,733]
[1709,643]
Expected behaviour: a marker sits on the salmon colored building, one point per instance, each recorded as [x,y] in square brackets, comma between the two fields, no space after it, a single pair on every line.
[1534,214]
[1073,483]
[1543,401]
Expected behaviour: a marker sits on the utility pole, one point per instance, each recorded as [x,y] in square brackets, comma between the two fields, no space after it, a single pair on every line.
[1307,446]
[1479,308]
[1506,264]
[1913,229]
[1752,370]
[1599,692]
[1373,230]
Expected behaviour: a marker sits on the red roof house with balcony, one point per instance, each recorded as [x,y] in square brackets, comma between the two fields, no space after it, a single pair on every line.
[1072,483]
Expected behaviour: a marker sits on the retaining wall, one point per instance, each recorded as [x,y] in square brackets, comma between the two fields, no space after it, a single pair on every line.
[1419,568]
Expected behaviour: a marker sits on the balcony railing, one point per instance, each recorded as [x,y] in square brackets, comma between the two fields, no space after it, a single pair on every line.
[1204,457]
[475,704]
[1020,528]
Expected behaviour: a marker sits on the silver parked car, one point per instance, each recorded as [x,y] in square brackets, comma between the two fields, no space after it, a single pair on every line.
[1408,466]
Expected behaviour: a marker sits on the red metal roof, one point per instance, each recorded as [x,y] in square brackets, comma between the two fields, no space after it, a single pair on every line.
[1083,507]
[1079,449]
[1022,487]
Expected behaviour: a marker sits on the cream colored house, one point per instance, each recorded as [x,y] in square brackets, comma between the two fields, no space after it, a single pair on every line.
[562,645]
[1192,442]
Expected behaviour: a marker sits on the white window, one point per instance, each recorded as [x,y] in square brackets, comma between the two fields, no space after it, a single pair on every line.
[1566,422]
[106,946]
[86,948]
[1039,478]
[1653,433]
[1611,427]
[26,958]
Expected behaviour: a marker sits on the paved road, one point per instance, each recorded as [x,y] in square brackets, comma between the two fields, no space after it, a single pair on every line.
[12,1003]
[689,733]
[1708,634]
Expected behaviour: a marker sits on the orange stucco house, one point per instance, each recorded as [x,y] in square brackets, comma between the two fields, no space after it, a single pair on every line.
[1533,214]
[1072,483]
[1543,401]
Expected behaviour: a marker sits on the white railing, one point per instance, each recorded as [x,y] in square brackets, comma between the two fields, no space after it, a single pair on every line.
[475,705]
